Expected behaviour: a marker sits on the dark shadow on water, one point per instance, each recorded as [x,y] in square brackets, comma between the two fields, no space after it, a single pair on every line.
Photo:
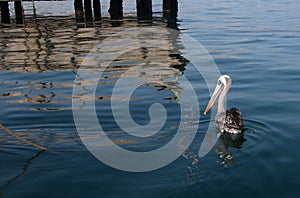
[233,140]
[24,170]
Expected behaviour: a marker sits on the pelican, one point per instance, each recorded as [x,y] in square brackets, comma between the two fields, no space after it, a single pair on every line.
[230,121]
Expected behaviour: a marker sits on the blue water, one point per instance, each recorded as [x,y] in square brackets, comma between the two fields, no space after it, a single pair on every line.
[257,43]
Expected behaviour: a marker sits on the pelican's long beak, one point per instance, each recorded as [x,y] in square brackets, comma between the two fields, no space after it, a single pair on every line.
[219,88]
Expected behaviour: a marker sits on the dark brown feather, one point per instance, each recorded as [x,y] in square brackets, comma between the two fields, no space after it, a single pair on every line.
[234,119]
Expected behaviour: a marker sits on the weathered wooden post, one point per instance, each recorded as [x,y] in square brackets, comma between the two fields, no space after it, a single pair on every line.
[78,10]
[116,9]
[19,11]
[88,10]
[170,9]
[144,9]
[5,18]
[97,10]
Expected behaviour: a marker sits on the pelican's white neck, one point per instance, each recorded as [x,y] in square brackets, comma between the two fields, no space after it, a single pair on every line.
[227,84]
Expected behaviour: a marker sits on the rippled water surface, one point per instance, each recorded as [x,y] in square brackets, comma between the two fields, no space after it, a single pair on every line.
[257,43]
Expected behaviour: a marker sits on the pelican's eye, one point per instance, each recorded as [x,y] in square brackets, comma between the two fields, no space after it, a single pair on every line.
[219,82]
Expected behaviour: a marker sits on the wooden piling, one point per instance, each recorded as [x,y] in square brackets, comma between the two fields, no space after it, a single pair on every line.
[144,9]
[79,14]
[19,11]
[170,9]
[97,10]
[5,18]
[116,9]
[88,10]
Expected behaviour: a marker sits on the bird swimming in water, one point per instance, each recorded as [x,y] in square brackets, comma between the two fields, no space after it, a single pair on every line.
[230,121]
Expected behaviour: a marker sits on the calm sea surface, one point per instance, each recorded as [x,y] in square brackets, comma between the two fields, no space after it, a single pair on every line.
[257,43]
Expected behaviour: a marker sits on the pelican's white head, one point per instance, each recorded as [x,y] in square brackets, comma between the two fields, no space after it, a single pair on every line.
[223,85]
[225,80]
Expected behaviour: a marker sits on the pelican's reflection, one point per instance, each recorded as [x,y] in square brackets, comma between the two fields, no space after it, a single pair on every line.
[225,143]
[232,140]
[228,141]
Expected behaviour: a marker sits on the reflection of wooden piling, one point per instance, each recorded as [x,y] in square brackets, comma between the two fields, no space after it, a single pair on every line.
[78,10]
[7,130]
[116,9]
[97,10]
[19,11]
[170,9]
[5,18]
[144,9]
[88,10]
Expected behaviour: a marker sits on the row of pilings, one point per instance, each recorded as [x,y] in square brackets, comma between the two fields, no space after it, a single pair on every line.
[90,10]
[5,15]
